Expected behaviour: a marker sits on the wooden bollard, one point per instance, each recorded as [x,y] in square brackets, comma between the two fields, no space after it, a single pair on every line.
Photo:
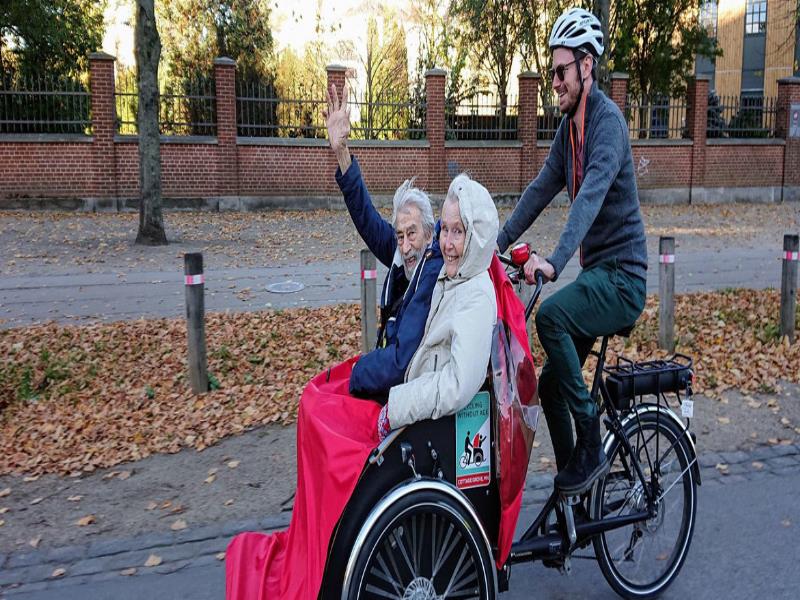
[791,255]
[369,298]
[195,321]
[666,293]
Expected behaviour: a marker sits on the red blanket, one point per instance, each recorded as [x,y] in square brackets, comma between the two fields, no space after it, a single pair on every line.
[335,434]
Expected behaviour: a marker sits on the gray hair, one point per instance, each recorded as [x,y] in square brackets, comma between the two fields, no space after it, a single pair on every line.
[405,197]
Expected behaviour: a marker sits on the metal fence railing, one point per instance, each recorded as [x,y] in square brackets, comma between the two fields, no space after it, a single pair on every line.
[482,117]
[263,112]
[656,117]
[548,120]
[388,115]
[43,105]
[741,117]
[187,107]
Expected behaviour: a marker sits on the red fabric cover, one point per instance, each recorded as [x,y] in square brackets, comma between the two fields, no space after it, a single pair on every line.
[513,445]
[335,435]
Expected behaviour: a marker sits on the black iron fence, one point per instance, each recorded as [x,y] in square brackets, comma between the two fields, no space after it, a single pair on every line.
[262,112]
[187,107]
[483,117]
[656,117]
[43,105]
[741,117]
[386,115]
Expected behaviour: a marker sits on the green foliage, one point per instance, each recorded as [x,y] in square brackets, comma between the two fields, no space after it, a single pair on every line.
[656,43]
[52,37]
[492,30]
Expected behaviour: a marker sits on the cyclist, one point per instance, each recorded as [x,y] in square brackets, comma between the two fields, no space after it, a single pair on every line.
[591,155]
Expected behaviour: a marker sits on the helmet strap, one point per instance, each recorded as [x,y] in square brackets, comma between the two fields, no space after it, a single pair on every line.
[578,56]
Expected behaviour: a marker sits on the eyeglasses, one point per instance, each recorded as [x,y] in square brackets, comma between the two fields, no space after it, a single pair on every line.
[559,70]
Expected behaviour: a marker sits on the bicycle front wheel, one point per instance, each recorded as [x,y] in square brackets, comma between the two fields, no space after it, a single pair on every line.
[643,559]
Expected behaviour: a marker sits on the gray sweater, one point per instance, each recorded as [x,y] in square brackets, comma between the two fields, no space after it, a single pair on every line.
[604,219]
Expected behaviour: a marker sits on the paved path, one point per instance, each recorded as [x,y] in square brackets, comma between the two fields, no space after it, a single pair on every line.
[28,299]
[746,526]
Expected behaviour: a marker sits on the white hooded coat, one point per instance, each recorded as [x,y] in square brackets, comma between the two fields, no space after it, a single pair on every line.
[451,362]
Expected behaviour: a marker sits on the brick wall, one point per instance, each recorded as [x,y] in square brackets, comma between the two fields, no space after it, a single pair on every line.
[105,166]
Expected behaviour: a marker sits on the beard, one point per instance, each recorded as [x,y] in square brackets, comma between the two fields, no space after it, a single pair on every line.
[417,254]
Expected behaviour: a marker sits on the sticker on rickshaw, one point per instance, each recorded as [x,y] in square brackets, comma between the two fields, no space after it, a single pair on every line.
[473,468]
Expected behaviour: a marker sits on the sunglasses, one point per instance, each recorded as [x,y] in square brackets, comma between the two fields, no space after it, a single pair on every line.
[559,70]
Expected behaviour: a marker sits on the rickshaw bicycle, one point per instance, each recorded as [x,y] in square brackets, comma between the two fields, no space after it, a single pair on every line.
[409,532]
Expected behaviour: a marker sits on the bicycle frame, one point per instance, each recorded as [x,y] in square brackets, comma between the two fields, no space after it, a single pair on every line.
[534,545]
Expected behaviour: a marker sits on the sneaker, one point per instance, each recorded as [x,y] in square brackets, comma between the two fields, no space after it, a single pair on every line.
[586,465]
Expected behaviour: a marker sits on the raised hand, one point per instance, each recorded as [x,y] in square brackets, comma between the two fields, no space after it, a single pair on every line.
[337,119]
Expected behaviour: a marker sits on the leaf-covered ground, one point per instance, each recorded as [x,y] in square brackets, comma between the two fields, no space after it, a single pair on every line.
[78,398]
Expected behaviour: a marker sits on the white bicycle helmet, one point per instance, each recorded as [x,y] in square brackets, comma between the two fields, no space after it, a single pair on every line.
[578,29]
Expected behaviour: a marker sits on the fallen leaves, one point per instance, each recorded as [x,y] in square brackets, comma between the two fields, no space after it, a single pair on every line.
[87,520]
[83,407]
[128,572]
[89,411]
[178,525]
[59,572]
[34,542]
[153,561]
[75,498]
[5,492]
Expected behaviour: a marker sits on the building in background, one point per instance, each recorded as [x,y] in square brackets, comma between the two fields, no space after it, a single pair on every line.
[760,42]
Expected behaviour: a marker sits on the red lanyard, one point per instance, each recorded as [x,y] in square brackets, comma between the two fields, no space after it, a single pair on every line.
[572,144]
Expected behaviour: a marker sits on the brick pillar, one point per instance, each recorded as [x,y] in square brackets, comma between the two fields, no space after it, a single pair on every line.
[104,163]
[336,76]
[696,123]
[788,94]
[619,90]
[527,124]
[227,158]
[435,123]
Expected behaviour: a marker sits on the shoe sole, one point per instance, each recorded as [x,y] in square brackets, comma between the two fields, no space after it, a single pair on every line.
[599,472]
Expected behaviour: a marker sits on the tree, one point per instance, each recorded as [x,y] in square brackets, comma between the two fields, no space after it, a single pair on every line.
[48,37]
[439,47]
[195,32]
[656,43]
[492,29]
[148,52]
[384,106]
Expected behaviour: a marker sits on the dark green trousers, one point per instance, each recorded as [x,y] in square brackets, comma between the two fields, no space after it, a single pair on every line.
[601,301]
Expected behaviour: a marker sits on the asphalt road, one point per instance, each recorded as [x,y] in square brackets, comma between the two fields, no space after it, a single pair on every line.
[742,549]
[80,297]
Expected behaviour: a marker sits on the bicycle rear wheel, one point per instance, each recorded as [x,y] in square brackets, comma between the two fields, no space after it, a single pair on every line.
[642,559]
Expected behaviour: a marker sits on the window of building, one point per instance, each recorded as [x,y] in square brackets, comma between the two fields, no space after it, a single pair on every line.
[755,20]
[708,17]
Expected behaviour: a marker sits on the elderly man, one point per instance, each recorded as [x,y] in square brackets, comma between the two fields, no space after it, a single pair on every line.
[407,246]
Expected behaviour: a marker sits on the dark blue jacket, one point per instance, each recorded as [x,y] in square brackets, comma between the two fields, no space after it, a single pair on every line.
[404,304]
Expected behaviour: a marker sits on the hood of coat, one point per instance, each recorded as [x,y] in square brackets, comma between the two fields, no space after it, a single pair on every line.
[481,224]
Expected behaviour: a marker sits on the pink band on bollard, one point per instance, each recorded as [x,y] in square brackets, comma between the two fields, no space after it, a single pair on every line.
[791,255]
[194,279]
[369,274]
[666,259]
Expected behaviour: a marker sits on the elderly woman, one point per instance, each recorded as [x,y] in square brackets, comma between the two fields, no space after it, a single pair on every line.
[450,364]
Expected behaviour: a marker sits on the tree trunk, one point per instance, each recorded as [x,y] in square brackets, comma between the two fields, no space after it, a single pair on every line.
[602,10]
[148,52]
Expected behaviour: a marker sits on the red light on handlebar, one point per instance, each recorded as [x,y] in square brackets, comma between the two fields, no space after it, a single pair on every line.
[520,254]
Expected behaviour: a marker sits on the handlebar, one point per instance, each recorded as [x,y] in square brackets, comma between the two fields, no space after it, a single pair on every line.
[518,275]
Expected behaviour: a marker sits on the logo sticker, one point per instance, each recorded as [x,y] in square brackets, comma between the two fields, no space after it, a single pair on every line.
[473,456]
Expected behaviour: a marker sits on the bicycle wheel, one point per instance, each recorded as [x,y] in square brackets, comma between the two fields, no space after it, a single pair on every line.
[641,560]
[424,546]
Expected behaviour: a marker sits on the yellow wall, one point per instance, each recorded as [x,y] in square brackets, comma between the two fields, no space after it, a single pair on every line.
[779,51]
[778,61]
[730,37]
